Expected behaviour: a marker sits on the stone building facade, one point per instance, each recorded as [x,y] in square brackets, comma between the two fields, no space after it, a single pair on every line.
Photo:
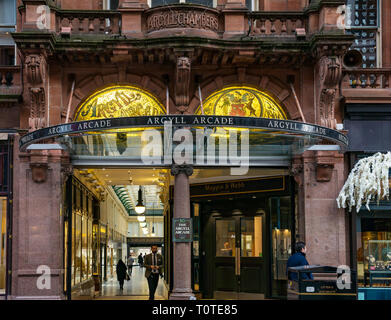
[181,53]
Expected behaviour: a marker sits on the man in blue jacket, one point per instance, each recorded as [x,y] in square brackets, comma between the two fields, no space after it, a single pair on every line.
[297,260]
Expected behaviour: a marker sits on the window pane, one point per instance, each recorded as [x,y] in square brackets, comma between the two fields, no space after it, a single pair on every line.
[84,248]
[3,244]
[225,238]
[281,224]
[7,12]
[251,237]
[207,3]
[156,3]
[362,21]
[374,252]
[78,249]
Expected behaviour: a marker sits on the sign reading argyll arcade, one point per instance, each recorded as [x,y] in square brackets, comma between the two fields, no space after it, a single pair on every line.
[179,143]
[184,121]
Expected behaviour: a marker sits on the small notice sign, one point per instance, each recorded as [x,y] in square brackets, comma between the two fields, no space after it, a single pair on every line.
[182,230]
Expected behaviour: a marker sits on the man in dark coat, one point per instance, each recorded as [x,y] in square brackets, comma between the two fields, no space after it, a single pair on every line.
[153,264]
[121,273]
[140,260]
[297,260]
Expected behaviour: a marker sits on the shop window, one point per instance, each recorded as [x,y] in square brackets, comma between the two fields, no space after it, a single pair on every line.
[3,244]
[251,236]
[362,20]
[374,248]
[225,238]
[77,241]
[281,225]
[84,249]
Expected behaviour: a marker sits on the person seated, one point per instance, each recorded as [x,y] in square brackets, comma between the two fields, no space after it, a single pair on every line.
[227,250]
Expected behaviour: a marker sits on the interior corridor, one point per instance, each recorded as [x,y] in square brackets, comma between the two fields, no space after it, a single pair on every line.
[134,289]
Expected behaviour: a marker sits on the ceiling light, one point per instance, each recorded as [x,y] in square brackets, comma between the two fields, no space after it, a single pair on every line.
[141,218]
[143,224]
[140,208]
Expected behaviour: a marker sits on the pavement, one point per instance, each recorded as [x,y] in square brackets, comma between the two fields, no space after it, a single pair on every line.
[134,289]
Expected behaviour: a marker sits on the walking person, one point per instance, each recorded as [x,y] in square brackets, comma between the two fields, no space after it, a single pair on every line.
[298,259]
[121,273]
[140,260]
[153,264]
[130,264]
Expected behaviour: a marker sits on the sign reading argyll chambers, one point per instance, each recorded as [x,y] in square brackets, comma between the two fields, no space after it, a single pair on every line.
[271,125]
[175,18]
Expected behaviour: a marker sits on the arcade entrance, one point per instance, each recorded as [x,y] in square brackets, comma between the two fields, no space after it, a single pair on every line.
[246,240]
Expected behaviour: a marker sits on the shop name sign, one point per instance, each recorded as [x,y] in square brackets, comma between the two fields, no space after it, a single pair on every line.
[184,121]
[182,230]
[183,18]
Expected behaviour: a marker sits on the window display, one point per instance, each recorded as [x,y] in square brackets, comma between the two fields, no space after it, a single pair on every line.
[3,243]
[251,233]
[374,251]
[281,232]
[225,238]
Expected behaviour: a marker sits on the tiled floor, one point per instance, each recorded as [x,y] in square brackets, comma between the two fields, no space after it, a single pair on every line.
[134,289]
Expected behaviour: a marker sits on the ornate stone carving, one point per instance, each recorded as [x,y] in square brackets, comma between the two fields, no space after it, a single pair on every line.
[182,83]
[36,74]
[35,69]
[37,109]
[177,169]
[330,72]
[39,172]
[324,172]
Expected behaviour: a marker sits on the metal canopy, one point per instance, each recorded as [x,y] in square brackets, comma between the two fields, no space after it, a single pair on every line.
[119,141]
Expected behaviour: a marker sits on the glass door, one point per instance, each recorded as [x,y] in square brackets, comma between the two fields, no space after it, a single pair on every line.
[240,271]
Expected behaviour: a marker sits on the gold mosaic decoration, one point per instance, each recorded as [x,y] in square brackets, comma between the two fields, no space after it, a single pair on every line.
[119,101]
[242,101]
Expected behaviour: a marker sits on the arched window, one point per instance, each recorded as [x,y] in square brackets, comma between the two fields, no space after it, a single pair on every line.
[242,101]
[119,101]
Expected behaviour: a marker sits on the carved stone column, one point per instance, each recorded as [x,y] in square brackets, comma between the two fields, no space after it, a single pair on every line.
[181,250]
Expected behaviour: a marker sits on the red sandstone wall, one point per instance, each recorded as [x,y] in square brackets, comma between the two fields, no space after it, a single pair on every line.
[82,5]
[284,5]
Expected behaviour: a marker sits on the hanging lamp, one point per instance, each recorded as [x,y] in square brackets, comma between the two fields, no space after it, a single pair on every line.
[140,208]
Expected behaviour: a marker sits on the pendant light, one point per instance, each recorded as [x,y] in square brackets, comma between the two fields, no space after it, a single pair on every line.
[140,208]
[141,218]
[153,234]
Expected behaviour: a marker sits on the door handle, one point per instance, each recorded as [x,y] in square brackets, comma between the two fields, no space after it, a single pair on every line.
[237,261]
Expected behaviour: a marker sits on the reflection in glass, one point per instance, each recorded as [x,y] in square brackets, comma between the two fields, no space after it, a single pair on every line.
[251,236]
[78,261]
[84,248]
[225,238]
[3,243]
[281,227]
[373,251]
